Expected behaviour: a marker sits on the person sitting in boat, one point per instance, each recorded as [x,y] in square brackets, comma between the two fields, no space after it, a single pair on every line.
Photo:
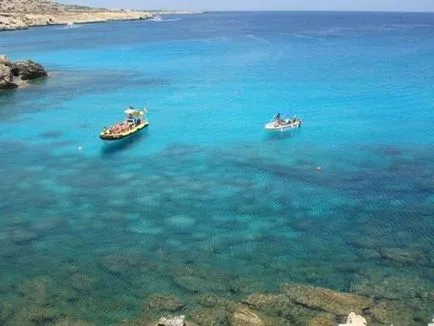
[278,120]
[124,127]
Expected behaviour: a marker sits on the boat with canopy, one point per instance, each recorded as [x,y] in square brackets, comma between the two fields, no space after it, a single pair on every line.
[135,122]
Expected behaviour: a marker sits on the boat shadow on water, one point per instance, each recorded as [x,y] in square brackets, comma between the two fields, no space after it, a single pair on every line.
[111,147]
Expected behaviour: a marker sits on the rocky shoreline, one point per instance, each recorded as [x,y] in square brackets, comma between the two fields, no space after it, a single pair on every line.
[17,21]
[16,74]
[295,304]
[23,14]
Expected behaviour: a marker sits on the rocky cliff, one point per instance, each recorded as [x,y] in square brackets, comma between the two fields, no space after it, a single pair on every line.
[21,14]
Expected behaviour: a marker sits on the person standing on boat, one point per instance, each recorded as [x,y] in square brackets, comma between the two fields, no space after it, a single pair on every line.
[278,119]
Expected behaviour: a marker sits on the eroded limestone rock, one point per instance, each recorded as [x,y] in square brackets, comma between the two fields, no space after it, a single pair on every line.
[243,316]
[175,321]
[14,74]
[160,302]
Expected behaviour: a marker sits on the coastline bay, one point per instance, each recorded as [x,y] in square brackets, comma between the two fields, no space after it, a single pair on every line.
[204,206]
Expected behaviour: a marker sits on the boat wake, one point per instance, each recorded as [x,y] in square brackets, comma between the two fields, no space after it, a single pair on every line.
[160,19]
[254,37]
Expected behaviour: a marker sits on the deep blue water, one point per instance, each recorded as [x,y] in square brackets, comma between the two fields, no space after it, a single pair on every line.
[204,200]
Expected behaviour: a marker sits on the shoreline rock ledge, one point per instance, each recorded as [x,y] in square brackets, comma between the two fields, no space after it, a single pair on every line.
[16,74]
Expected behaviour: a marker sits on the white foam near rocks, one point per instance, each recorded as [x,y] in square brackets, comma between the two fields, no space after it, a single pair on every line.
[354,320]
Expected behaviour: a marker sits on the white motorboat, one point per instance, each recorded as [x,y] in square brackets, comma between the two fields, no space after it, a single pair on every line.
[281,123]
[157,18]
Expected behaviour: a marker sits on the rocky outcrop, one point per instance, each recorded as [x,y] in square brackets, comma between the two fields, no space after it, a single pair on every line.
[6,78]
[354,320]
[21,14]
[295,305]
[175,321]
[10,22]
[279,305]
[315,306]
[28,70]
[326,300]
[245,317]
[211,316]
[322,321]
[338,304]
[14,74]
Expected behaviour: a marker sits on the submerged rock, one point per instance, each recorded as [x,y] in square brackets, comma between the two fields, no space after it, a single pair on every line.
[393,287]
[120,264]
[71,322]
[83,283]
[160,302]
[196,281]
[38,290]
[322,321]
[279,305]
[326,300]
[6,311]
[404,256]
[20,236]
[210,300]
[35,315]
[48,224]
[211,317]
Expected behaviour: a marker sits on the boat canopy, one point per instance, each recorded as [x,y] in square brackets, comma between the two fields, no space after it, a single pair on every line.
[134,112]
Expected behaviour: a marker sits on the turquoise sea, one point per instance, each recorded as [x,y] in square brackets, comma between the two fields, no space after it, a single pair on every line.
[205,201]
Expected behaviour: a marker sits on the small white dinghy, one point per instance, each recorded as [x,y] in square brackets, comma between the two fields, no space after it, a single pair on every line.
[281,123]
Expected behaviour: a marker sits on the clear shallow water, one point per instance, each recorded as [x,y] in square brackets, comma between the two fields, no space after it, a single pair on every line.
[204,201]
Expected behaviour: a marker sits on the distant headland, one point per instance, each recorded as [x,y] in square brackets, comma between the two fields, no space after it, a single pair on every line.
[22,14]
